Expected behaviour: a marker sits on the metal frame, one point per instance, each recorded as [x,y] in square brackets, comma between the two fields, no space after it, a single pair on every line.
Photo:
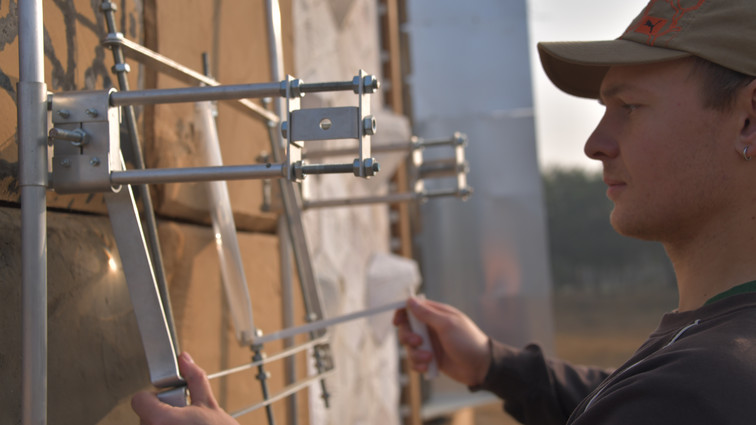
[87,158]
[420,171]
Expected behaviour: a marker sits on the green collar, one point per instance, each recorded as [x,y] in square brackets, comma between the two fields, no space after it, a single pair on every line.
[740,289]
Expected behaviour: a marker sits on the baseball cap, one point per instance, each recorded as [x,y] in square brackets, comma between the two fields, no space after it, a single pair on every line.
[720,31]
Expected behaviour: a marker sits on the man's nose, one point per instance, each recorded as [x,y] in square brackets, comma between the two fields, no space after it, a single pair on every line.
[601,144]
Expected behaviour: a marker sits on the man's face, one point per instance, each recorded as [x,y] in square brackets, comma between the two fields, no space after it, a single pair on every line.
[666,158]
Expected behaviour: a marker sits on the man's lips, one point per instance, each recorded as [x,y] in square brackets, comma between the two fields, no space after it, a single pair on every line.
[614,186]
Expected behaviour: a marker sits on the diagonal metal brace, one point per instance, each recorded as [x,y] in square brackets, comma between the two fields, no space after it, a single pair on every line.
[148,306]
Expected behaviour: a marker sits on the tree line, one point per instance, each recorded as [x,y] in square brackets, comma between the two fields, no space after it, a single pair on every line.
[586,253]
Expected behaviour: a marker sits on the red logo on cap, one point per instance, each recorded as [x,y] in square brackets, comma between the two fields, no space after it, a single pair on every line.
[650,25]
[655,27]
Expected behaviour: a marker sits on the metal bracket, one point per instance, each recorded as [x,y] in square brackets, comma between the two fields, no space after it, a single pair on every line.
[86,142]
[329,124]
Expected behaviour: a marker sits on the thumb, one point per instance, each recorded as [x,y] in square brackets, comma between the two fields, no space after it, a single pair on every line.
[147,405]
[196,382]
[425,311]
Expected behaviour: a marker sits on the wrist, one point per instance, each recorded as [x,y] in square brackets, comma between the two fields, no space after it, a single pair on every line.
[485,364]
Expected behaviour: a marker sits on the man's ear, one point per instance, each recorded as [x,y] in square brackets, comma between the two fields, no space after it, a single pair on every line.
[749,112]
[745,109]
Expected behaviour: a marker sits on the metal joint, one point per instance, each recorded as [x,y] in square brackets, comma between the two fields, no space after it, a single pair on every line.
[108,6]
[120,67]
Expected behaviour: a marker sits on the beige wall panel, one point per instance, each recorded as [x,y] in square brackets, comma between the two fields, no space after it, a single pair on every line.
[95,357]
[96,362]
[203,321]
[74,60]
[234,35]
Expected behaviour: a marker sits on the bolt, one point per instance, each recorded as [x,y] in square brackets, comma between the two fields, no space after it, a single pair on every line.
[371,84]
[92,112]
[368,125]
[65,163]
[95,161]
[371,167]
[285,129]
[120,67]
[64,113]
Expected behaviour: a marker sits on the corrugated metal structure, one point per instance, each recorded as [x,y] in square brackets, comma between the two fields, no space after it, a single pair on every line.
[488,256]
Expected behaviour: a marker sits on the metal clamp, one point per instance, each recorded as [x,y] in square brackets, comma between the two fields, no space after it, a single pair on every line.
[346,122]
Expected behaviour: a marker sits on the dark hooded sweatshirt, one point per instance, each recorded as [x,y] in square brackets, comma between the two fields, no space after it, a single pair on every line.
[698,367]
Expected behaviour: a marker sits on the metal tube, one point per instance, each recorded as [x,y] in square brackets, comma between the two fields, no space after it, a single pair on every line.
[225,92]
[195,94]
[322,324]
[349,202]
[323,153]
[446,167]
[32,128]
[390,147]
[197,174]
[180,72]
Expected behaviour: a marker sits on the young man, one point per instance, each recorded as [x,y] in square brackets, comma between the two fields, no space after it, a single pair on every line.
[675,143]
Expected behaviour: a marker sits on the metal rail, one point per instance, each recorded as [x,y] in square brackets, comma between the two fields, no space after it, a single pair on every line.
[32,153]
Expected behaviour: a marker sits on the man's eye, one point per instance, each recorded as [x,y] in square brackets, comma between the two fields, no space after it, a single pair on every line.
[630,107]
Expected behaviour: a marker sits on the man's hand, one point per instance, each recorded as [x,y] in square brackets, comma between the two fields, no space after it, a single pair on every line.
[460,347]
[204,410]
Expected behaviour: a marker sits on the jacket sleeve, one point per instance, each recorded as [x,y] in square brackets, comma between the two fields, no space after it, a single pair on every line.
[537,390]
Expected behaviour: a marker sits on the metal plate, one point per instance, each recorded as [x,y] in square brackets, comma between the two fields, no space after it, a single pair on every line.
[325,123]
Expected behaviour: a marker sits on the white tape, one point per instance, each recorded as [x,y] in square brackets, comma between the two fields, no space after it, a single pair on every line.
[421,329]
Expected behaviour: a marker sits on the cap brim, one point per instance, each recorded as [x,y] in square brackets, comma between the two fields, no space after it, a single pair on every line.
[577,67]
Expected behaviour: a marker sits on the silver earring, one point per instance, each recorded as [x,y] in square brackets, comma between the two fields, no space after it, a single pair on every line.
[745,153]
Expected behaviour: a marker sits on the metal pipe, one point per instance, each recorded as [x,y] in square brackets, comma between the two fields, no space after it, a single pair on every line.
[322,324]
[32,129]
[195,94]
[120,69]
[180,72]
[390,147]
[224,92]
[349,202]
[445,167]
[293,236]
[197,174]
[323,153]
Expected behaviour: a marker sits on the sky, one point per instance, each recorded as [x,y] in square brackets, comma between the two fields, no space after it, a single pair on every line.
[564,122]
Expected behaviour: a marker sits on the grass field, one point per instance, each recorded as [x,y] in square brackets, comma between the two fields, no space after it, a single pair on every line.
[602,330]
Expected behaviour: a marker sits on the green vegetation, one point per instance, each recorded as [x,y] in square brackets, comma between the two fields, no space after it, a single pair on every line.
[586,253]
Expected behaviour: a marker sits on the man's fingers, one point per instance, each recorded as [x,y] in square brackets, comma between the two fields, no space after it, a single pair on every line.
[407,337]
[400,317]
[147,405]
[196,381]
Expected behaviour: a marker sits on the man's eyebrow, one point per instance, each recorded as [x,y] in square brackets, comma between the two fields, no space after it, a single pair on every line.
[614,90]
